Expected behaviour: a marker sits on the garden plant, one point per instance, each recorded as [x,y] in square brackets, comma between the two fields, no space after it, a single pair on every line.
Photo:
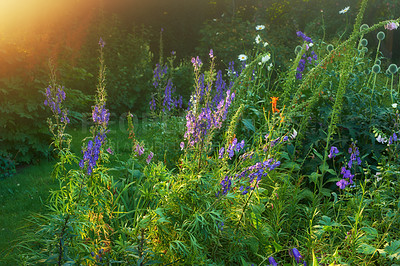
[259,160]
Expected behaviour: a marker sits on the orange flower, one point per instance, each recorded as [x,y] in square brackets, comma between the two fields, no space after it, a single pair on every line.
[274,101]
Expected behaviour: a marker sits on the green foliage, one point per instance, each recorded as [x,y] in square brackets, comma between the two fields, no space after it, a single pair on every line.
[215,202]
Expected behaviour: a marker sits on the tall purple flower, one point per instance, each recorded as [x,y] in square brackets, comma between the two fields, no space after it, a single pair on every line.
[54,99]
[304,37]
[139,149]
[102,43]
[198,125]
[91,154]
[296,254]
[100,115]
[272,261]
[196,63]
[148,160]
[333,152]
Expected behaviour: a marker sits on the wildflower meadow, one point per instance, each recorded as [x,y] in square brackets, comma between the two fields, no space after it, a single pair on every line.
[264,147]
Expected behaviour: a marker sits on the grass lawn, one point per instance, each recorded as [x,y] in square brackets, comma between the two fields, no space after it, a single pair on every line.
[20,196]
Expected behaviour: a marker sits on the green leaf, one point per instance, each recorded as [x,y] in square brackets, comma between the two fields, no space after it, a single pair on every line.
[249,124]
[393,250]
[319,155]
[366,249]
[371,233]
[314,177]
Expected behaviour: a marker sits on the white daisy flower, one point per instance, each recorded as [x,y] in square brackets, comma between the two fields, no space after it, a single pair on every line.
[344,10]
[260,27]
[294,135]
[242,57]
[266,58]
[258,39]
[394,105]
[380,139]
[265,44]
[310,44]
[270,67]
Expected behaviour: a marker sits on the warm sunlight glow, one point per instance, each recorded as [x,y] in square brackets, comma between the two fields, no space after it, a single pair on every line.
[30,30]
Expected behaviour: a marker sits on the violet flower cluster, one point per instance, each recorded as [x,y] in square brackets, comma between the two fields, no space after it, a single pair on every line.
[159,73]
[100,116]
[256,172]
[304,37]
[305,59]
[302,63]
[220,88]
[169,102]
[294,252]
[196,63]
[198,125]
[392,139]
[91,154]
[253,173]
[275,142]
[139,149]
[54,99]
[233,148]
[333,152]
[347,176]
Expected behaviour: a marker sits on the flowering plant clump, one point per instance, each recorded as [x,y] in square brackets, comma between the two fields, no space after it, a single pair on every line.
[54,99]
[347,176]
[165,90]
[304,59]
[198,126]
[254,173]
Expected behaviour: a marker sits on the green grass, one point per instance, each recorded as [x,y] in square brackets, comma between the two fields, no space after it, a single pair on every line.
[20,196]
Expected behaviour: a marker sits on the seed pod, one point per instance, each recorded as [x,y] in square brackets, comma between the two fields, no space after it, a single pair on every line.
[364,27]
[329,48]
[364,42]
[376,68]
[378,62]
[380,36]
[392,69]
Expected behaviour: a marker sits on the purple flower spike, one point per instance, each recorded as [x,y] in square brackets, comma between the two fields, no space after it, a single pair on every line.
[101,43]
[148,160]
[296,254]
[221,153]
[333,152]
[272,261]
[211,54]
